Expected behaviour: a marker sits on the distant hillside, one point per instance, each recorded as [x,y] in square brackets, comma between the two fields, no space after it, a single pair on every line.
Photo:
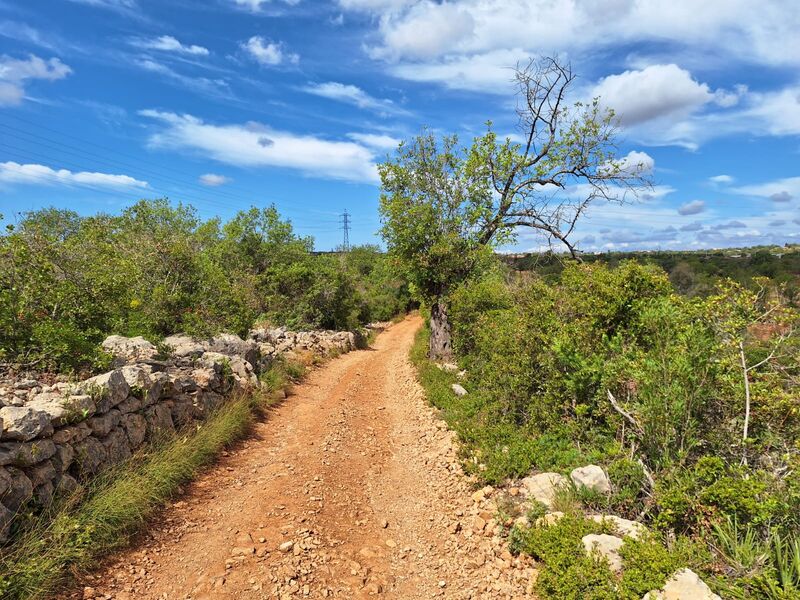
[692,272]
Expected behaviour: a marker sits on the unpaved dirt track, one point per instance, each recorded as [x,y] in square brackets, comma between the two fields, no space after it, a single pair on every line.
[349,489]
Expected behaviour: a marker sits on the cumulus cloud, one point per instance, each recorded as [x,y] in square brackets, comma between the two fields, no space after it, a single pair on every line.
[736,28]
[351,94]
[636,163]
[255,145]
[692,208]
[15,73]
[167,43]
[212,180]
[653,92]
[268,53]
[35,174]
[427,30]
[776,223]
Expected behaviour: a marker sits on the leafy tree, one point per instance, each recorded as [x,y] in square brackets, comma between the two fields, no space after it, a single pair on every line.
[445,206]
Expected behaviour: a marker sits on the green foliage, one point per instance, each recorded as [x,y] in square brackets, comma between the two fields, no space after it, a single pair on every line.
[713,491]
[68,281]
[610,366]
[569,572]
[649,562]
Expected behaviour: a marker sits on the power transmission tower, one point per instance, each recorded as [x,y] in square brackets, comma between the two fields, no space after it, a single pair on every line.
[346,229]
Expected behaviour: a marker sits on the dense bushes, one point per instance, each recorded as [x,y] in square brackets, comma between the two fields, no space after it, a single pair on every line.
[67,281]
[613,366]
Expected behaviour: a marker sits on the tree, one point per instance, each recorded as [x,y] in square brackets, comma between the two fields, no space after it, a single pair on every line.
[444,207]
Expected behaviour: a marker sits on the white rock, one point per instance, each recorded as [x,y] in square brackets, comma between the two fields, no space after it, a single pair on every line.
[606,546]
[61,411]
[625,527]
[107,390]
[683,585]
[23,423]
[127,350]
[458,390]
[550,518]
[592,478]
[543,487]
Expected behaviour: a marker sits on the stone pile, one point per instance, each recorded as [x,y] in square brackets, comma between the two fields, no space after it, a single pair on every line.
[545,488]
[54,435]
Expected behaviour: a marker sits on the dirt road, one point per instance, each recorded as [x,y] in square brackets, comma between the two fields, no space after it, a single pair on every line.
[350,489]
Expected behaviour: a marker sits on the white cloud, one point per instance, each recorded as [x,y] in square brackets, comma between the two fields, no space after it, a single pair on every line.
[780,190]
[255,145]
[256,5]
[268,53]
[372,140]
[15,173]
[212,180]
[213,87]
[653,92]
[692,208]
[489,72]
[740,29]
[351,94]
[15,72]
[636,163]
[426,31]
[167,43]
[721,179]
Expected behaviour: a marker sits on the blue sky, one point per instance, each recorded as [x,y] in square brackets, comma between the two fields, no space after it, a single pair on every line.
[229,103]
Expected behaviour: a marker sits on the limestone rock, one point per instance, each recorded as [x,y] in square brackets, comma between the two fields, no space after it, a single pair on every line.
[184,346]
[592,478]
[90,456]
[26,454]
[683,585]
[550,518]
[19,491]
[107,390]
[606,546]
[140,384]
[136,428]
[624,527]
[543,487]
[458,389]
[23,423]
[62,410]
[127,350]
[232,345]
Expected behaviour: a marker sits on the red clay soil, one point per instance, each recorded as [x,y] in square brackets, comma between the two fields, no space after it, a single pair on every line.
[349,489]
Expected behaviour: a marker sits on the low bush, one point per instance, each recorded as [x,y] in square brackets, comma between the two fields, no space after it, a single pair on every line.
[68,281]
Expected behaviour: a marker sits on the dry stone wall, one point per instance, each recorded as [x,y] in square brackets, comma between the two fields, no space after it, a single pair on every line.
[55,435]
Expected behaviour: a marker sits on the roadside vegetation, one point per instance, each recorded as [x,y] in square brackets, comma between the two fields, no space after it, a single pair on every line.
[682,386]
[611,366]
[68,281]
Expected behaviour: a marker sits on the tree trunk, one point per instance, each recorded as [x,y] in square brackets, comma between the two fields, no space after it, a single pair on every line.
[441,346]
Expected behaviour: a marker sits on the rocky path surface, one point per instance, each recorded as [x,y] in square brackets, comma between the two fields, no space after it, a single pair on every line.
[350,489]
